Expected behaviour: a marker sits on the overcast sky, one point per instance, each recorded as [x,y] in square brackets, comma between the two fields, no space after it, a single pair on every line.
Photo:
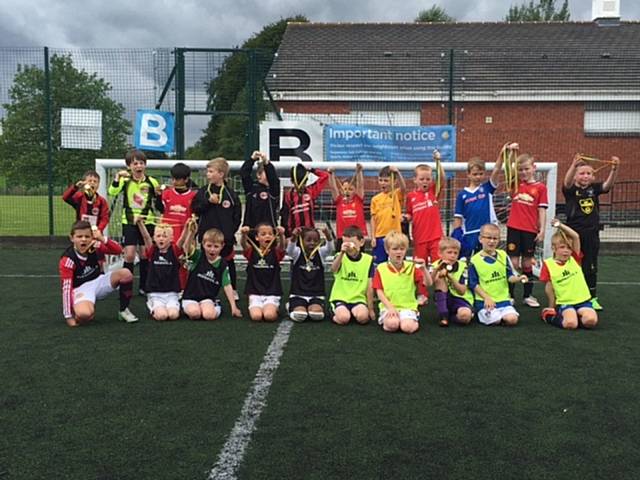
[218,23]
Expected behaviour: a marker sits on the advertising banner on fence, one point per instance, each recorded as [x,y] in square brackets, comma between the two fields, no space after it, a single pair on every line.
[154,130]
[389,144]
[293,141]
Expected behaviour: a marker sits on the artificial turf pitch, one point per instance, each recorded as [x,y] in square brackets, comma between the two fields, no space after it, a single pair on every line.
[157,401]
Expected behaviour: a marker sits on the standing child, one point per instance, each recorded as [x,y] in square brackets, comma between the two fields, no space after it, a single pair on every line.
[176,202]
[397,283]
[263,254]
[566,288]
[140,193]
[526,224]
[83,196]
[83,279]
[453,297]
[208,273]
[582,193]
[386,210]
[490,274]
[474,203]
[351,294]
[424,213]
[263,194]
[299,201]
[219,208]
[163,279]
[348,197]
[307,293]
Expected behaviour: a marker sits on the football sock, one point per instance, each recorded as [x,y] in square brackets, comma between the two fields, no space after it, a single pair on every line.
[125,292]
[528,287]
[512,287]
[441,303]
[231,265]
[144,267]
[128,266]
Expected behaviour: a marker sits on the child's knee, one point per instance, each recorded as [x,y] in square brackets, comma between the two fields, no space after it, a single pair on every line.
[409,326]
[173,314]
[299,314]
[316,313]
[391,324]
[361,315]
[342,316]
[160,314]
[270,313]
[210,314]
[589,320]
[256,314]
[464,315]
[510,320]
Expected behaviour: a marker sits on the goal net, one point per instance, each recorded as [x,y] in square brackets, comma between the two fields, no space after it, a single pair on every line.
[456,179]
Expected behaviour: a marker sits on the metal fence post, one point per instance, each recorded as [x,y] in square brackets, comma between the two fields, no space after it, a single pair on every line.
[49,120]
[251,143]
[180,96]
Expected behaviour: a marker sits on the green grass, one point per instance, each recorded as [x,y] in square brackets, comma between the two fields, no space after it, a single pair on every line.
[22,215]
[156,401]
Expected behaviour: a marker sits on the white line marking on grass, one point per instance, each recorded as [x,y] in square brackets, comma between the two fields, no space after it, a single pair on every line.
[234,448]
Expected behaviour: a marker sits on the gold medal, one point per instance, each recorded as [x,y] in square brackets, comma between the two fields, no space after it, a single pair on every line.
[308,267]
[261,263]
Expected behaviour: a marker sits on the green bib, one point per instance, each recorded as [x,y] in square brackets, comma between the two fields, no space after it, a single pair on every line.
[399,288]
[569,285]
[492,276]
[457,276]
[351,281]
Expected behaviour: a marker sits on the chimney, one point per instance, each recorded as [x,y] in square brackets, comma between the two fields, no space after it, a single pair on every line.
[606,13]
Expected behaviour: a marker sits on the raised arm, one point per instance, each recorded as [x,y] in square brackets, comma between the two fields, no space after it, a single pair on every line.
[401,182]
[245,174]
[613,173]
[333,184]
[570,233]
[359,182]
[497,169]
[244,242]
[571,172]
[139,221]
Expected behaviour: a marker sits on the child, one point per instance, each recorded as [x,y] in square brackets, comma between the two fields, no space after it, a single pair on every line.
[307,293]
[474,203]
[139,193]
[351,294]
[83,280]
[163,279]
[208,273]
[88,203]
[263,286]
[424,213]
[299,201]
[526,224]
[490,273]
[262,196]
[219,207]
[453,297]
[386,210]
[397,282]
[565,286]
[581,193]
[348,197]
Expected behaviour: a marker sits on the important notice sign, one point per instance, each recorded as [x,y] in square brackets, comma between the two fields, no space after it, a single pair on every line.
[390,144]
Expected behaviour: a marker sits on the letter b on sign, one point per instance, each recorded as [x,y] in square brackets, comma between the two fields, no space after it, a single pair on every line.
[154,130]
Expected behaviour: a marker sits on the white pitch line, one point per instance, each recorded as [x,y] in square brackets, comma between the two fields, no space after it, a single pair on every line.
[232,453]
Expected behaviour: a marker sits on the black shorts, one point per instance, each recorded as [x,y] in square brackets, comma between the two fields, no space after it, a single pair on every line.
[520,243]
[349,306]
[296,301]
[131,234]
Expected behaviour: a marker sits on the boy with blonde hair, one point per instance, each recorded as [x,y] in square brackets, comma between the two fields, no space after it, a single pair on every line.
[526,224]
[386,210]
[582,193]
[566,288]
[453,297]
[218,207]
[89,205]
[424,213]
[490,273]
[397,283]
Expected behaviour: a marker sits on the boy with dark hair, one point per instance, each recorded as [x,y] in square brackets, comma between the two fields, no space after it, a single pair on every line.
[83,279]
[351,294]
[299,201]
[140,193]
[582,193]
[90,206]
[348,197]
[176,199]
[218,207]
[386,210]
[263,194]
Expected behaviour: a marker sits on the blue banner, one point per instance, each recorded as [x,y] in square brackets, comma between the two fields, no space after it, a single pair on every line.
[154,130]
[362,143]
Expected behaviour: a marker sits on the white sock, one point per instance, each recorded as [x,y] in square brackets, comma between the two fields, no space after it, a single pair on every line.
[316,316]
[298,316]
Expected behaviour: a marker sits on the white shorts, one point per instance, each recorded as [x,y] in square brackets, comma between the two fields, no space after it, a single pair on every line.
[94,290]
[259,301]
[403,314]
[496,315]
[216,303]
[162,299]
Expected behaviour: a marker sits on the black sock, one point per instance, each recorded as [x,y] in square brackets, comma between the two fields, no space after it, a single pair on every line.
[125,292]
[128,266]
[512,288]
[144,266]
[528,287]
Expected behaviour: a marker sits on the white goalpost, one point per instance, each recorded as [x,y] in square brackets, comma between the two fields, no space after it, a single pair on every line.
[547,171]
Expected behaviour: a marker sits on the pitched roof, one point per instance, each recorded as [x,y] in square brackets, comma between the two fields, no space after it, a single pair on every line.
[410,61]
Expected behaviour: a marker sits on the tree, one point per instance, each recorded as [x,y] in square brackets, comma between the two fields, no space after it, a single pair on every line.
[225,134]
[434,15]
[23,143]
[544,11]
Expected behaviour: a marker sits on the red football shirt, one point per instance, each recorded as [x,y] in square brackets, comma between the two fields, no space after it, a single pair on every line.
[350,213]
[525,204]
[177,209]
[425,215]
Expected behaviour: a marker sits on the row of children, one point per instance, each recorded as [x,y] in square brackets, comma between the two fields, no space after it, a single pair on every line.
[219,208]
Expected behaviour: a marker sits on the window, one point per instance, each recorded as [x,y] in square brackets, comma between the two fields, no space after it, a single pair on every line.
[612,119]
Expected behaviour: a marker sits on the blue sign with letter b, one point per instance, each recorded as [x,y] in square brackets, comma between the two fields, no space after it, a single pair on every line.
[154,130]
